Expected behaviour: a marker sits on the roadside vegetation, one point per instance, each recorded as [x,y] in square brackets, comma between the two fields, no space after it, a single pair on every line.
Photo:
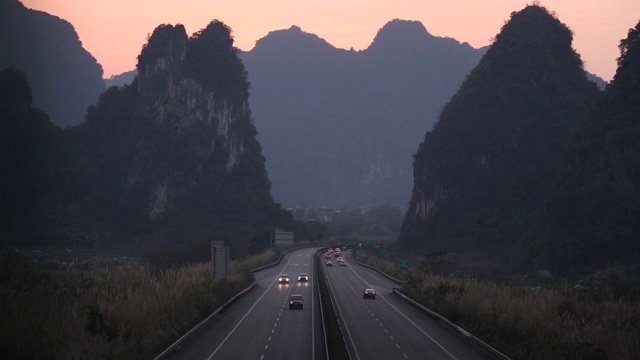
[596,318]
[68,306]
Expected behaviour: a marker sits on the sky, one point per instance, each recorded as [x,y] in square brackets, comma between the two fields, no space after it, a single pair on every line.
[114,31]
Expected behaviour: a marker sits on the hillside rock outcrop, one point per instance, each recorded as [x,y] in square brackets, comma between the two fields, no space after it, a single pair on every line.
[174,157]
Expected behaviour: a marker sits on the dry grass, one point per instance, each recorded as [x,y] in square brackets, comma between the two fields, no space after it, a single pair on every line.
[532,322]
[103,308]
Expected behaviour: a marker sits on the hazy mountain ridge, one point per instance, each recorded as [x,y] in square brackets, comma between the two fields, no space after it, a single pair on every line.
[64,77]
[338,128]
[496,148]
[126,78]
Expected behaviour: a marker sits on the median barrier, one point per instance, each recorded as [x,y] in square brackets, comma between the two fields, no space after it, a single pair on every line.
[335,345]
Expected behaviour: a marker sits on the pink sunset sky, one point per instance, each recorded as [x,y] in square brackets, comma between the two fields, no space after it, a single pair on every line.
[114,31]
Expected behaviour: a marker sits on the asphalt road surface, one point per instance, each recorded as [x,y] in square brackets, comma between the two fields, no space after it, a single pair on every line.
[260,326]
[387,327]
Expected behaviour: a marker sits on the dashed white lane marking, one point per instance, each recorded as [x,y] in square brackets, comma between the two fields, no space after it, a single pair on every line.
[245,316]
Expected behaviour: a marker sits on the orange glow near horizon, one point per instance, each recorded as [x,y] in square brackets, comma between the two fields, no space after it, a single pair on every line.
[114,31]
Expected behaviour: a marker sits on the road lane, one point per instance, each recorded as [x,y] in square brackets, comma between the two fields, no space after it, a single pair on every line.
[387,327]
[260,324]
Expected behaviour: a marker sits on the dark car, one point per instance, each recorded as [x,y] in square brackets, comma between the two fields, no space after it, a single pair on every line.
[369,294]
[296,302]
[303,277]
[283,279]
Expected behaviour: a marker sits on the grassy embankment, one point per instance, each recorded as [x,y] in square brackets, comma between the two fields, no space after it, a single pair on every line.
[527,322]
[106,308]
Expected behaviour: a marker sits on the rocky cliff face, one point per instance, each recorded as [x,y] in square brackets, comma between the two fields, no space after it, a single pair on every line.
[175,153]
[200,120]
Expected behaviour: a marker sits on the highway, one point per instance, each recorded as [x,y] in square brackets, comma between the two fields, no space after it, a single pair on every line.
[387,327]
[260,326]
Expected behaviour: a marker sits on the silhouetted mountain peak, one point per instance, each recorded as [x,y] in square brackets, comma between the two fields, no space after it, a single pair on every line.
[167,44]
[534,31]
[412,38]
[403,33]
[293,38]
[536,23]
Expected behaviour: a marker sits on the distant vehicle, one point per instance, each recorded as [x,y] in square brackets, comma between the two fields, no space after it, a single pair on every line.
[343,263]
[329,263]
[338,249]
[369,294]
[283,279]
[296,301]
[303,277]
[330,250]
[327,255]
[339,259]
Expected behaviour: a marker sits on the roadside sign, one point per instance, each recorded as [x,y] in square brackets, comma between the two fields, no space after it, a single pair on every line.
[402,263]
[367,244]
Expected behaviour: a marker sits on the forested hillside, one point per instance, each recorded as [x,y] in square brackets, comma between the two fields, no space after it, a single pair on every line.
[28,157]
[591,219]
[497,145]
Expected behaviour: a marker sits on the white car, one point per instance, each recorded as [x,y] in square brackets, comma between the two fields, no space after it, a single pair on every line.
[303,277]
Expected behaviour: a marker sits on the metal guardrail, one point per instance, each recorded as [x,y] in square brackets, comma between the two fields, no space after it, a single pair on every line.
[324,326]
[321,269]
[464,332]
[195,328]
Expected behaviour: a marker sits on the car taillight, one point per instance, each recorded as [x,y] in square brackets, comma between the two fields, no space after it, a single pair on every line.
[374,293]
